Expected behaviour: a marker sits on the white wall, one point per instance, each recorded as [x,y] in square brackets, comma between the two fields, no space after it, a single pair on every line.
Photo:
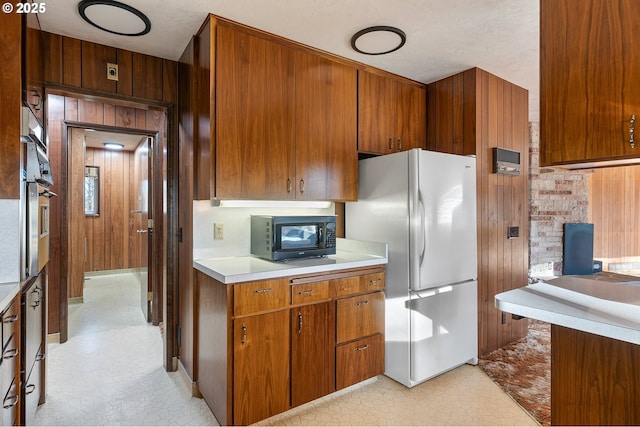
[9,240]
[237,227]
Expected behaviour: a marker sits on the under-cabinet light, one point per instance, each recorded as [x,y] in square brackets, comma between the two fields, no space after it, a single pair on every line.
[271,204]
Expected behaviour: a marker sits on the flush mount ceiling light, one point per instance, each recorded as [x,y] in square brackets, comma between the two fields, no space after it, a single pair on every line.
[113,146]
[114,17]
[378,40]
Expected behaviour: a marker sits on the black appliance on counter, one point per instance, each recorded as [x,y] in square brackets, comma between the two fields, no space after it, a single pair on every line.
[577,255]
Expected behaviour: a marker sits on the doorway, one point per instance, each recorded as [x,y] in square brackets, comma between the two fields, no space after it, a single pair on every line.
[110,208]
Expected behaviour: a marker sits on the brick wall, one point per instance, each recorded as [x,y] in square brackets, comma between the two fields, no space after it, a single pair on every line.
[557,197]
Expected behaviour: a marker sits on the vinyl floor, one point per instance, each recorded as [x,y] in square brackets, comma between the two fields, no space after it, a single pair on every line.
[110,372]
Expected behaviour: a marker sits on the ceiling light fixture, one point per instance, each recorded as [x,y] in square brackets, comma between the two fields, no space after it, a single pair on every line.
[114,17]
[378,40]
[113,146]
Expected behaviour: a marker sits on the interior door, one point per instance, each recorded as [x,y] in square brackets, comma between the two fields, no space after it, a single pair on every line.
[142,229]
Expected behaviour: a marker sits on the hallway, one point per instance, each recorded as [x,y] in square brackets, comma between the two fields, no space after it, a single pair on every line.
[110,370]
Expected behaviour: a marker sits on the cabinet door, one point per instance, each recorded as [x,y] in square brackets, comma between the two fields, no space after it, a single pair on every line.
[326,129]
[588,69]
[411,116]
[33,67]
[376,120]
[261,367]
[254,117]
[360,316]
[312,352]
[359,360]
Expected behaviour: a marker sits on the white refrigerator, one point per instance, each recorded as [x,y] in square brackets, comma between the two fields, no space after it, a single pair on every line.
[423,205]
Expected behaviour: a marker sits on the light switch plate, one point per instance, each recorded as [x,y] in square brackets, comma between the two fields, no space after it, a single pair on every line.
[218,231]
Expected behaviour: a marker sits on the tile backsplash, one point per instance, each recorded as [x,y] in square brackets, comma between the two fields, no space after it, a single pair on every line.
[10,241]
[237,227]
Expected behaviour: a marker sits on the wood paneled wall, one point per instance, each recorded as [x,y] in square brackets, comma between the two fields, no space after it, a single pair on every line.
[64,112]
[77,63]
[110,237]
[614,209]
[470,113]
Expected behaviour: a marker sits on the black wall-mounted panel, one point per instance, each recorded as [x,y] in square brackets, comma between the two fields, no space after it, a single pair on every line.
[578,249]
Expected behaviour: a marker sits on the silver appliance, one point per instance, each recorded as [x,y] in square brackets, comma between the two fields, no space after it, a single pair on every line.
[423,205]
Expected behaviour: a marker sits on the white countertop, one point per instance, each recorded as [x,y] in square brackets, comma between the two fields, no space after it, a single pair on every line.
[349,254]
[598,307]
[7,292]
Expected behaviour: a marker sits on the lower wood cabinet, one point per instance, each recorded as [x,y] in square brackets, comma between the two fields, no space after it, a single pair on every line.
[10,364]
[281,352]
[261,366]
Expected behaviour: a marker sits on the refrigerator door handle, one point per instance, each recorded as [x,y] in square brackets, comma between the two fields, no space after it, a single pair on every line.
[423,227]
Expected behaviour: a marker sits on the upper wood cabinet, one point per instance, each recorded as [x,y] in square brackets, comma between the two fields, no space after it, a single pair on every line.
[589,91]
[282,119]
[392,114]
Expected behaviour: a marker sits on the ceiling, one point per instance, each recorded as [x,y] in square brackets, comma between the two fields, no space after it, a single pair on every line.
[443,36]
[96,139]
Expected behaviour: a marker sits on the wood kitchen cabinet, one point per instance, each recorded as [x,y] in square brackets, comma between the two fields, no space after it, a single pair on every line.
[10,364]
[588,95]
[281,348]
[392,114]
[33,69]
[282,119]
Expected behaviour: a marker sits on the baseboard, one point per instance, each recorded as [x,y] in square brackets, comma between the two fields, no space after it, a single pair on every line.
[53,338]
[195,392]
[109,272]
[76,300]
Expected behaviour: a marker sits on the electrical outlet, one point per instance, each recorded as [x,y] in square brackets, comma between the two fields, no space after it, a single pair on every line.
[218,231]
[112,71]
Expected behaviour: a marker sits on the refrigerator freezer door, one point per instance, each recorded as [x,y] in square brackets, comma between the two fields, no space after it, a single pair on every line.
[443,220]
[444,330]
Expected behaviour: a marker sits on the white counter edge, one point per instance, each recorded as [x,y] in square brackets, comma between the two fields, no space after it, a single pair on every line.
[8,291]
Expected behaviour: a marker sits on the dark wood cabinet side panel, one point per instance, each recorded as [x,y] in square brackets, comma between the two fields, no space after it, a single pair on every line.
[200,73]
[95,58]
[594,380]
[214,357]
[11,96]
[169,81]
[124,60]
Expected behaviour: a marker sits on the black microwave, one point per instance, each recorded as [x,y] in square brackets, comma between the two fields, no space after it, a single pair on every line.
[282,237]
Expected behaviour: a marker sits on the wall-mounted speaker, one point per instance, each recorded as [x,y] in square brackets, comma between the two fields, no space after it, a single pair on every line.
[578,249]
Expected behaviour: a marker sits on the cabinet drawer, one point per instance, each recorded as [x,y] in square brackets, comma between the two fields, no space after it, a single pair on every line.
[359,360]
[9,365]
[9,323]
[9,408]
[252,297]
[360,316]
[358,284]
[309,292]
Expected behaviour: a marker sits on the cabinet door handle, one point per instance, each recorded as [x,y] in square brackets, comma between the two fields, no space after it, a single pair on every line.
[10,319]
[365,302]
[299,323]
[301,186]
[390,144]
[10,354]
[364,347]
[399,144]
[262,291]
[289,185]
[244,334]
[374,281]
[29,389]
[309,292]
[10,401]
[632,122]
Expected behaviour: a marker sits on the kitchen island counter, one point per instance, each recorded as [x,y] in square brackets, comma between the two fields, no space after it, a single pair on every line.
[595,346]
[349,254]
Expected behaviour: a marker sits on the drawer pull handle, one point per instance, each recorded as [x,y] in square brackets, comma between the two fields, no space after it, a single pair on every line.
[289,187]
[309,292]
[262,291]
[244,334]
[40,357]
[29,389]
[365,302]
[364,347]
[10,402]
[374,281]
[10,319]
[299,323]
[10,354]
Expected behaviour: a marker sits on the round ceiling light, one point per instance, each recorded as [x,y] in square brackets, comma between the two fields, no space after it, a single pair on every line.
[114,17]
[378,40]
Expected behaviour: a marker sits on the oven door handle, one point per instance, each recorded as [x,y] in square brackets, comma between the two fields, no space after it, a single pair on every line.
[48,194]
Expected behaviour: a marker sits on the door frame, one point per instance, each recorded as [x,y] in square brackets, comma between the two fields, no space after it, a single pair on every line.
[165,162]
